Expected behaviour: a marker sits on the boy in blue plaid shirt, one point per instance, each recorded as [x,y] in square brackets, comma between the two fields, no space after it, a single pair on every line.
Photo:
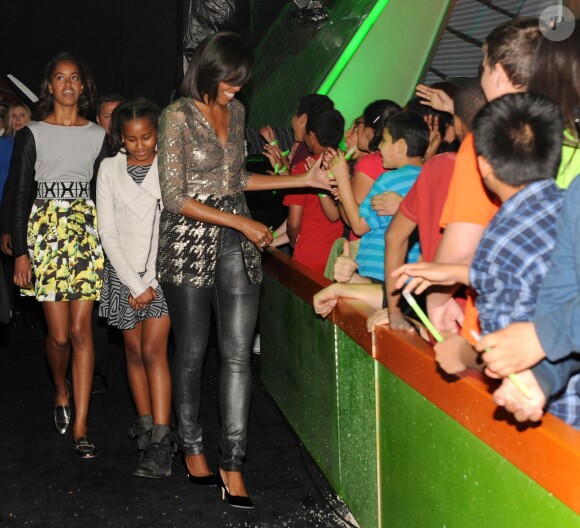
[518,141]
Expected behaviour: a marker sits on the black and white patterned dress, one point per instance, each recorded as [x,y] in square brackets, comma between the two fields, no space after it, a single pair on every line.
[114,304]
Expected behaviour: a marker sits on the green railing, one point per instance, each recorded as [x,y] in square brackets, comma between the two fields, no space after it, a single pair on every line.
[399,444]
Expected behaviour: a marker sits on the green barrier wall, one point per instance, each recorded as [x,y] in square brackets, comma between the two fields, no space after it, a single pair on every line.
[394,457]
[366,50]
[435,473]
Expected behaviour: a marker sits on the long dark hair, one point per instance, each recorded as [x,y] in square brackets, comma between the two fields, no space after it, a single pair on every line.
[87,97]
[220,57]
[140,108]
[556,73]
[375,115]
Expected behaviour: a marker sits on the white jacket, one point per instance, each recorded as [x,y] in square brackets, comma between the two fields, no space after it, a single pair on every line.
[128,219]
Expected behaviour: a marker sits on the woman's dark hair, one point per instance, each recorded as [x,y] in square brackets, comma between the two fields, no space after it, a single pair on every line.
[140,108]
[375,116]
[220,57]
[88,95]
[556,73]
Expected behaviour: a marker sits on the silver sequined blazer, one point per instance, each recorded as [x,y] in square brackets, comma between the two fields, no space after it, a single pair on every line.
[193,163]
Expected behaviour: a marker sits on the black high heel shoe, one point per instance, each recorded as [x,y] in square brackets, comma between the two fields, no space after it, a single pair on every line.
[236,501]
[207,480]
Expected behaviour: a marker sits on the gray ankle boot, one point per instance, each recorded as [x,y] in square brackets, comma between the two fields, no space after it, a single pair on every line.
[159,456]
[141,429]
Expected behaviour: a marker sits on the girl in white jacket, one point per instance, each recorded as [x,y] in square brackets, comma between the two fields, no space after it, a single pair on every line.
[128,209]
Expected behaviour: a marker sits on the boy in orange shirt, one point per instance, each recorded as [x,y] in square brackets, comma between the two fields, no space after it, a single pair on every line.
[507,67]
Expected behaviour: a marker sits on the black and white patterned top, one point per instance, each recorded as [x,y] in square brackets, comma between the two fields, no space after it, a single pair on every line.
[138,172]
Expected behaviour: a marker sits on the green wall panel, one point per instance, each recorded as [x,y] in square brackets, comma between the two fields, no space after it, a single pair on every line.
[298,369]
[390,61]
[435,473]
[295,58]
[357,431]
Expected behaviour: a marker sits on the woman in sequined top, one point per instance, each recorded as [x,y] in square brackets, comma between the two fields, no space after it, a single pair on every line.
[209,249]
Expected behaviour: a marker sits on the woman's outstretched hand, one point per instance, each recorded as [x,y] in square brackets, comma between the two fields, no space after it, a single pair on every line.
[317,177]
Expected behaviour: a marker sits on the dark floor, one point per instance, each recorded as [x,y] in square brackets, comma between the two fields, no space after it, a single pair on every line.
[42,482]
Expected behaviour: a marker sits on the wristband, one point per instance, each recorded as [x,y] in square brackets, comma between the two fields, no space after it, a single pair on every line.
[285,153]
[275,234]
[273,143]
[277,168]
[322,195]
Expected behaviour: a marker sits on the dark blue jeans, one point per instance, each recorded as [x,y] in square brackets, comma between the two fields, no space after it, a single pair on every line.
[235,302]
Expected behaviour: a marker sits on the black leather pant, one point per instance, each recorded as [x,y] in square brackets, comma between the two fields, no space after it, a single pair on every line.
[235,302]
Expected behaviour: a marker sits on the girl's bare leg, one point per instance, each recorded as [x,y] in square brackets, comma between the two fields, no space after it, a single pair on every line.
[155,334]
[81,332]
[58,346]
[136,370]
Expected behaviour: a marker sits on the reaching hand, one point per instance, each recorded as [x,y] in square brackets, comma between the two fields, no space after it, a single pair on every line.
[446,316]
[325,301]
[512,349]
[338,166]
[386,203]
[425,274]
[399,322]
[345,266]
[380,317]
[450,351]
[435,98]
[523,409]
[267,132]
[435,136]
[274,155]
[317,177]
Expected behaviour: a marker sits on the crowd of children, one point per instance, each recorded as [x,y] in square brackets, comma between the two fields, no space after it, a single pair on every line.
[495,238]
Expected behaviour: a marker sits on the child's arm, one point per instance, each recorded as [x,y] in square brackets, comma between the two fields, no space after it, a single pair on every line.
[435,98]
[329,207]
[345,268]
[458,245]
[361,184]
[294,223]
[386,203]
[512,349]
[425,274]
[280,238]
[396,247]
[523,409]
[454,354]
[339,169]
[267,132]
[435,137]
[325,300]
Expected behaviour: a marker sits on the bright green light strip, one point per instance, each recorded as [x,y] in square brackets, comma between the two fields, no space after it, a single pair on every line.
[352,46]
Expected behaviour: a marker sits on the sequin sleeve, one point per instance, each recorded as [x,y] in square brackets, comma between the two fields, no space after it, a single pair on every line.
[172,160]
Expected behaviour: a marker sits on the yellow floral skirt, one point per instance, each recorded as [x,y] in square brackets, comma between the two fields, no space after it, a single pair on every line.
[65,252]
